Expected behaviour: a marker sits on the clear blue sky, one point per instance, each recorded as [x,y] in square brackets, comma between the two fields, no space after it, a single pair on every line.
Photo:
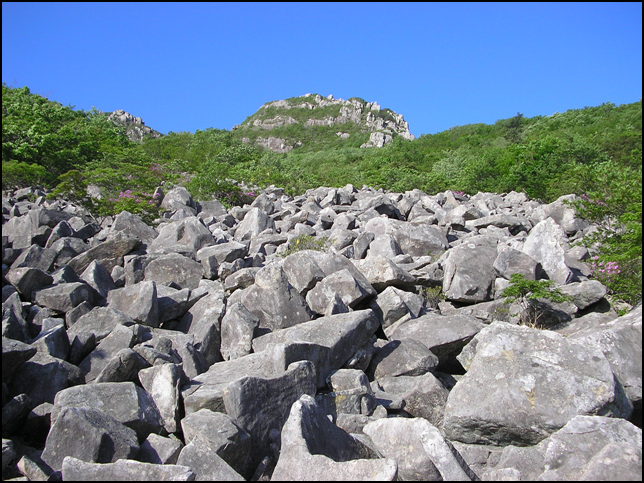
[189,66]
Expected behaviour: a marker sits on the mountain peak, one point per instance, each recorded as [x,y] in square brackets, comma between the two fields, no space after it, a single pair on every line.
[285,124]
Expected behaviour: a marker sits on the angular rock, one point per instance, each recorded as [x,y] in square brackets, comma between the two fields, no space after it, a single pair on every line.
[585,293]
[28,279]
[119,338]
[109,253]
[203,321]
[14,354]
[469,273]
[273,300]
[133,226]
[328,342]
[545,244]
[14,325]
[43,376]
[508,392]
[254,222]
[510,261]
[53,341]
[406,357]
[400,440]
[35,257]
[159,450]
[414,240]
[65,296]
[237,331]
[582,449]
[444,335]
[350,394]
[91,328]
[99,278]
[206,464]
[163,382]
[67,248]
[421,396]
[259,405]
[302,271]
[74,469]
[381,273]
[126,402]
[221,434]
[138,301]
[343,283]
[620,341]
[313,447]
[105,440]
[175,268]
[124,366]
[187,234]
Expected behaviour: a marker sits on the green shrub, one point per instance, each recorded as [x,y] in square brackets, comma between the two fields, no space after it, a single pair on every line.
[527,292]
[306,242]
[432,296]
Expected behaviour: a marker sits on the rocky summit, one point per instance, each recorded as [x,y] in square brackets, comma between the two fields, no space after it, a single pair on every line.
[346,333]
[286,124]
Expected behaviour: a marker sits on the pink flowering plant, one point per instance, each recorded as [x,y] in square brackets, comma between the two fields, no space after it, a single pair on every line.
[616,210]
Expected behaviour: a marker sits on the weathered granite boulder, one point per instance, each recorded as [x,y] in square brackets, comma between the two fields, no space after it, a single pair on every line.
[508,392]
[546,244]
[328,342]
[138,301]
[124,401]
[74,469]
[314,448]
[105,440]
[586,448]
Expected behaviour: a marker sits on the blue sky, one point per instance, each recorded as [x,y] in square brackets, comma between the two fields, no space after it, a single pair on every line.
[188,66]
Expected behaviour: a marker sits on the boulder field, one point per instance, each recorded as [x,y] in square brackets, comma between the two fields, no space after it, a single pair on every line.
[346,334]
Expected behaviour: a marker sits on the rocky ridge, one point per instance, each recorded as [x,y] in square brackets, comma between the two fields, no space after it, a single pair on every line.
[136,129]
[313,110]
[212,346]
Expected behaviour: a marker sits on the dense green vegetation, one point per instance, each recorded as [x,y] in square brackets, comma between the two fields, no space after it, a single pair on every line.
[595,152]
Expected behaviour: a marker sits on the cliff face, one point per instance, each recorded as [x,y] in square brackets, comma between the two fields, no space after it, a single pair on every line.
[285,124]
[136,129]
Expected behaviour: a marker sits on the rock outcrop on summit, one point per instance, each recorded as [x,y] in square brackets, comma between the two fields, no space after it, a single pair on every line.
[268,127]
[297,338]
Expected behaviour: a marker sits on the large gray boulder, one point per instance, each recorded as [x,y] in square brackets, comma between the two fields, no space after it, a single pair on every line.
[109,253]
[586,448]
[74,469]
[419,450]
[546,243]
[255,222]
[620,340]
[260,405]
[509,392]
[312,447]
[422,396]
[221,433]
[329,342]
[444,335]
[273,300]
[469,272]
[163,383]
[138,301]
[175,268]
[124,401]
[414,239]
[188,234]
[105,440]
